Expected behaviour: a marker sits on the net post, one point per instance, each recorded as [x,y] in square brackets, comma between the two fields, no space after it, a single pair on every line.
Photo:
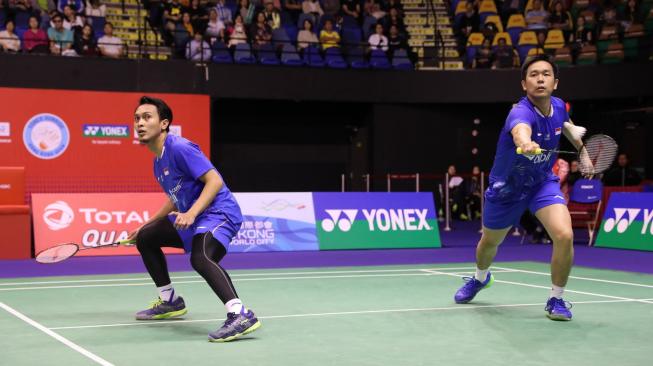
[416,182]
[388,180]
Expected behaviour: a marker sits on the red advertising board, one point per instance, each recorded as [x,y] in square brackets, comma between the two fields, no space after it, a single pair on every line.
[92,219]
[82,141]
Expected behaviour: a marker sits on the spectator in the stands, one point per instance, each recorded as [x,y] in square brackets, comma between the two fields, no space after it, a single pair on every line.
[78,5]
[351,8]
[42,8]
[328,36]
[396,40]
[378,41]
[199,17]
[456,193]
[224,13]
[215,28]
[272,15]
[622,174]
[9,41]
[468,24]
[109,45]
[630,14]
[473,192]
[331,8]
[393,4]
[537,17]
[582,35]
[95,8]
[61,39]
[306,37]
[35,40]
[373,8]
[561,19]
[504,55]
[293,8]
[186,24]
[511,7]
[23,5]
[261,32]
[71,20]
[247,10]
[313,9]
[198,49]
[85,42]
[483,58]
[237,32]
[394,18]
[609,20]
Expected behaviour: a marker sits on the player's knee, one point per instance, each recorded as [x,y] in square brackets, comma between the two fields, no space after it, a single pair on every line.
[143,238]
[562,236]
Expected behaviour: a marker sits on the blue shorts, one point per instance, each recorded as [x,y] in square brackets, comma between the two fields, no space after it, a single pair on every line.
[218,224]
[504,214]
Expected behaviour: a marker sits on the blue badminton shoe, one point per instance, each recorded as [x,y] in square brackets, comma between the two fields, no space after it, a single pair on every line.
[471,287]
[160,309]
[558,309]
[235,326]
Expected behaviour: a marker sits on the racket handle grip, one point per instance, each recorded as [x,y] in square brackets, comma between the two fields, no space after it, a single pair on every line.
[538,151]
[127,241]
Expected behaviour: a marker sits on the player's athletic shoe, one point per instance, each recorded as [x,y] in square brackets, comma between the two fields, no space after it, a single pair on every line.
[160,309]
[235,326]
[471,287]
[558,309]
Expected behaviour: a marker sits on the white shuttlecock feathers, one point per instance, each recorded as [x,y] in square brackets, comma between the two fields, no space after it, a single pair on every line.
[577,132]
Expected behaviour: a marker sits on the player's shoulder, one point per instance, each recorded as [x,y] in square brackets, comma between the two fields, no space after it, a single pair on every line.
[522,109]
[181,144]
[557,102]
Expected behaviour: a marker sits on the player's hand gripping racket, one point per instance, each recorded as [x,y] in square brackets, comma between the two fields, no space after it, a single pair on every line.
[64,251]
[594,157]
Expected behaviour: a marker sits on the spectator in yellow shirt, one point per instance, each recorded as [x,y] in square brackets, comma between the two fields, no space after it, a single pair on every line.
[329,37]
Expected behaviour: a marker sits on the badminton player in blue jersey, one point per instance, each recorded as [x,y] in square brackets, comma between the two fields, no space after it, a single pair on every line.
[521,181]
[201,215]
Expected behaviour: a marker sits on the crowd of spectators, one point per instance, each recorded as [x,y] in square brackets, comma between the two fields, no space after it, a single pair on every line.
[66,28]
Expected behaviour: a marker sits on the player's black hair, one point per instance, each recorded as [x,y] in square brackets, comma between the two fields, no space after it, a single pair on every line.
[533,59]
[161,107]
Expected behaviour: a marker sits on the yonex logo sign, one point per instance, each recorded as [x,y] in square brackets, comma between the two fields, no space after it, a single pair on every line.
[58,215]
[106,131]
[622,222]
[378,219]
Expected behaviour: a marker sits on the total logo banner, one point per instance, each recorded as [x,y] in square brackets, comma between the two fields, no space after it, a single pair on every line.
[92,219]
[376,220]
[627,222]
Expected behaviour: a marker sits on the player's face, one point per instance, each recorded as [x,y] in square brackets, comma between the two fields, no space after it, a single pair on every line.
[540,81]
[147,123]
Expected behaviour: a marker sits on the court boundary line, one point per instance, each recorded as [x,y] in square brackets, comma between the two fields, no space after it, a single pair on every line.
[548,288]
[361,312]
[149,283]
[236,275]
[578,277]
[54,335]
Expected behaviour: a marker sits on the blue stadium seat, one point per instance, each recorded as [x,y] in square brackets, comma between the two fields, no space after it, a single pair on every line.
[356,58]
[400,60]
[243,54]
[379,60]
[312,57]
[280,36]
[98,25]
[22,19]
[289,56]
[267,55]
[333,58]
[221,54]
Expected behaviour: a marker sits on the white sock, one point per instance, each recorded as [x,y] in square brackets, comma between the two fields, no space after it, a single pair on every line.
[481,274]
[167,293]
[557,291]
[234,306]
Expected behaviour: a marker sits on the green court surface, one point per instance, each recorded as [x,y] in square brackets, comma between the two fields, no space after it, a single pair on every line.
[393,315]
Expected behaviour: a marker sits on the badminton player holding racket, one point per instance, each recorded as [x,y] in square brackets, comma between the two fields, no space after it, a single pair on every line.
[201,216]
[525,181]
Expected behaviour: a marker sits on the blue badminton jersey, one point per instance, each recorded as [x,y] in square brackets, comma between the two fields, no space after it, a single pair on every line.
[178,170]
[513,177]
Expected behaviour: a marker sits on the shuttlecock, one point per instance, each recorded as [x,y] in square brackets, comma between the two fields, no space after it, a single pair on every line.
[577,132]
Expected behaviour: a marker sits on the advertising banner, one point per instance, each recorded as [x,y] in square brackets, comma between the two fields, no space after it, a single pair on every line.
[83,141]
[275,222]
[92,219]
[376,220]
[627,222]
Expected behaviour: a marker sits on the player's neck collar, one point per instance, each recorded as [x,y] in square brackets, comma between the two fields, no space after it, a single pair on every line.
[537,109]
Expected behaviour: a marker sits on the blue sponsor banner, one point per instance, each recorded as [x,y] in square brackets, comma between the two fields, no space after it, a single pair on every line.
[275,222]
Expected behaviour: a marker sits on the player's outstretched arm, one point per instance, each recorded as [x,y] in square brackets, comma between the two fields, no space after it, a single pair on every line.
[167,208]
[521,136]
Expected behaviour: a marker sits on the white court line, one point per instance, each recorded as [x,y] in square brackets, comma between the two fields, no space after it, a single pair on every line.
[56,336]
[149,283]
[548,288]
[317,315]
[578,278]
[236,275]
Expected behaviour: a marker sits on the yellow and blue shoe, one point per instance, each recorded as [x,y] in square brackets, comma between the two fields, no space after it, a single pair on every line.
[160,309]
[558,309]
[236,325]
[471,287]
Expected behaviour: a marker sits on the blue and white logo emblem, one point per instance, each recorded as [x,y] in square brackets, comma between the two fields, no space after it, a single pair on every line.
[46,136]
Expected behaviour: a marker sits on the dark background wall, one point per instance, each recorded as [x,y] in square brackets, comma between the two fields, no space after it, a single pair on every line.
[284,129]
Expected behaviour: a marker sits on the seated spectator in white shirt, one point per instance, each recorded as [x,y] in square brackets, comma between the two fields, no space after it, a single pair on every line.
[215,27]
[94,8]
[9,41]
[198,49]
[306,37]
[377,40]
[110,45]
[537,18]
[71,19]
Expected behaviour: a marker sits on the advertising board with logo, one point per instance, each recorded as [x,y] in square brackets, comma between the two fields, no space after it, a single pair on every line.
[82,141]
[275,222]
[627,222]
[376,220]
[92,219]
